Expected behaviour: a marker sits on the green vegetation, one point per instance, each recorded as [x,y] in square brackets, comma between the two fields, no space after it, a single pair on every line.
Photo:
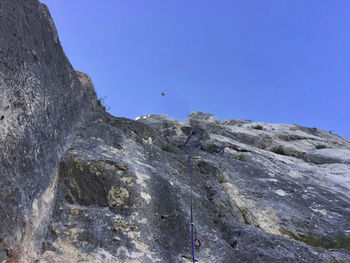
[320,146]
[241,157]
[101,104]
[168,148]
[258,127]
[336,243]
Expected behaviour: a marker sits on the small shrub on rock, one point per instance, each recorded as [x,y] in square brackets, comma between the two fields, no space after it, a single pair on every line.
[328,243]
[320,146]
[168,148]
[241,157]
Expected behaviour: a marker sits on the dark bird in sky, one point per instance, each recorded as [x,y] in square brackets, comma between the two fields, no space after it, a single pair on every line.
[162,93]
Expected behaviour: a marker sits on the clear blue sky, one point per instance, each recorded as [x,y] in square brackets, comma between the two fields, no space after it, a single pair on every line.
[285,61]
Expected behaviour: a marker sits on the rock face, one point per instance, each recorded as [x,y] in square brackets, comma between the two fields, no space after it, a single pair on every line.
[79,185]
[42,101]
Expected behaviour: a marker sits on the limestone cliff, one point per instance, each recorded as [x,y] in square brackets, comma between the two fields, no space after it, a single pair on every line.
[79,185]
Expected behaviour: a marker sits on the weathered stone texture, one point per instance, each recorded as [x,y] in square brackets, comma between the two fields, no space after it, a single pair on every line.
[41,101]
[79,185]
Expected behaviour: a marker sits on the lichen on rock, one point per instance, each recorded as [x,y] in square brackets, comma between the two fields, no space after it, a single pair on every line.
[117,195]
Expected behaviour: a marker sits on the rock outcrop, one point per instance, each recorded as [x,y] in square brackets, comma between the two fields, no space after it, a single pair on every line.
[42,101]
[79,185]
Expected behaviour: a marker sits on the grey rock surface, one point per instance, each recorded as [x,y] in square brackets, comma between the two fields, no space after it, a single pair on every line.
[329,155]
[80,185]
[42,101]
